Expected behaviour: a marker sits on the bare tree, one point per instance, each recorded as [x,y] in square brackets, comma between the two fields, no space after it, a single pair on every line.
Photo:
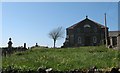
[56,34]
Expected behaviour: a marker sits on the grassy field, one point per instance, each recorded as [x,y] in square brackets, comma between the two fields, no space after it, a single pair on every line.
[64,59]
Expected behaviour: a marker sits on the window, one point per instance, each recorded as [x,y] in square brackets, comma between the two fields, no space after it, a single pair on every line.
[79,40]
[87,26]
[94,39]
[67,40]
[67,36]
[95,29]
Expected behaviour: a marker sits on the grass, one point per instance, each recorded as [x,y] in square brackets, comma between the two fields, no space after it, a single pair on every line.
[64,59]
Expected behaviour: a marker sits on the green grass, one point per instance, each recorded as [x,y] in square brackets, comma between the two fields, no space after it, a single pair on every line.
[64,59]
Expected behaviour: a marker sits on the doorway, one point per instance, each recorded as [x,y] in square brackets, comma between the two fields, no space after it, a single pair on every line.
[87,41]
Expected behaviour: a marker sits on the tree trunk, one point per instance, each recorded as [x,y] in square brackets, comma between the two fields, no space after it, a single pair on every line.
[54,43]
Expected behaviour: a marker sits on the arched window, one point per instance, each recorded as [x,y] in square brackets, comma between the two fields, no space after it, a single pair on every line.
[95,29]
[87,26]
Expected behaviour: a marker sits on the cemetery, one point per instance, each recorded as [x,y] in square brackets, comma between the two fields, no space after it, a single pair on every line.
[90,44]
[9,50]
[89,59]
[93,57]
[75,57]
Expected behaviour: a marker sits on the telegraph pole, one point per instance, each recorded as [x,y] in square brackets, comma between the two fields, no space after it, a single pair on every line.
[106,37]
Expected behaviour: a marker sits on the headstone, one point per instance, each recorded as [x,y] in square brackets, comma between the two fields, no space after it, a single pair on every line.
[36,45]
[10,43]
[24,45]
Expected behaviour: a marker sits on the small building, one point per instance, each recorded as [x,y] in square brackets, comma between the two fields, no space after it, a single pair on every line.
[113,38]
[85,33]
[118,41]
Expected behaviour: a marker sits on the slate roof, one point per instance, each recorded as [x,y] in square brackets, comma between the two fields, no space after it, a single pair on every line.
[71,27]
[114,33]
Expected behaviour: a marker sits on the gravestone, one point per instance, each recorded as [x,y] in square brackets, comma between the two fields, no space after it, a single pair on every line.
[10,43]
[36,45]
[9,49]
[24,45]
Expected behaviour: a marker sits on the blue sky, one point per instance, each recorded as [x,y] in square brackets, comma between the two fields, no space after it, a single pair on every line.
[59,0]
[30,22]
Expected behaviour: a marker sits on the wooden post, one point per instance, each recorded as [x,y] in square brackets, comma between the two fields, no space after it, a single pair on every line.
[111,41]
[106,37]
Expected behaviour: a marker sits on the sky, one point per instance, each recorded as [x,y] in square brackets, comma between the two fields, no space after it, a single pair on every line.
[30,22]
[118,16]
[59,0]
